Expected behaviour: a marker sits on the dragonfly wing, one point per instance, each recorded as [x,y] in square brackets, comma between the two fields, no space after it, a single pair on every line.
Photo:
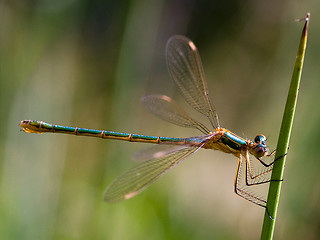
[156,151]
[165,108]
[186,69]
[140,177]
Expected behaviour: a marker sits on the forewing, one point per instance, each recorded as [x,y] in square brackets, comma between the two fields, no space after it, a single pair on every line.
[186,69]
[165,108]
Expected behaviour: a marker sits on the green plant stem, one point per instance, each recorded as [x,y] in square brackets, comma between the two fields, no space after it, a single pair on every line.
[284,136]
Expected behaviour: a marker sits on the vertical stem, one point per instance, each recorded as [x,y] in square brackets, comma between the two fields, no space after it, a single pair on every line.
[284,136]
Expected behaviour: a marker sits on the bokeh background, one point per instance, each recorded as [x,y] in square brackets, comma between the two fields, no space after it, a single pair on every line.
[87,63]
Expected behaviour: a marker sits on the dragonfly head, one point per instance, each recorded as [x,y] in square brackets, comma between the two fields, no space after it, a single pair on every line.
[260,149]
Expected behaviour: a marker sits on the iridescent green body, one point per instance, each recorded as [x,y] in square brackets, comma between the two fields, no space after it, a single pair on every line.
[233,141]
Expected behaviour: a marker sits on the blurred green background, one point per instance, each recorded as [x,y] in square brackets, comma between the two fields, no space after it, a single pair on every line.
[86,63]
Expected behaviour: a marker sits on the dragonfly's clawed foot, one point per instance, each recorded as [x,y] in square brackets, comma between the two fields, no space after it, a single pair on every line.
[269,214]
[276,180]
[280,157]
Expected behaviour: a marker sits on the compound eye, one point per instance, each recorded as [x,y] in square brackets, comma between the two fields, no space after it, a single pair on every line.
[260,138]
[260,152]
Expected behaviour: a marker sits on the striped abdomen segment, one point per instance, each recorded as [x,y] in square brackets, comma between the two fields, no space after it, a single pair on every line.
[31,126]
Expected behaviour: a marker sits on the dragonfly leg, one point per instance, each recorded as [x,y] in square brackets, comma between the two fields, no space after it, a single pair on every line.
[250,176]
[243,191]
[254,179]
[269,164]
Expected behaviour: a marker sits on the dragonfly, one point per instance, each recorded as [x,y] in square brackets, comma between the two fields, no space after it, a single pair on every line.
[186,70]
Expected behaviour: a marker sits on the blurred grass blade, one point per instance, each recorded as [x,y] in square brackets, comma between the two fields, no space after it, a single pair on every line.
[284,136]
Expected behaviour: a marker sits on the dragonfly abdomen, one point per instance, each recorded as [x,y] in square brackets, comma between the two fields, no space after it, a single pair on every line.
[131,137]
[31,126]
